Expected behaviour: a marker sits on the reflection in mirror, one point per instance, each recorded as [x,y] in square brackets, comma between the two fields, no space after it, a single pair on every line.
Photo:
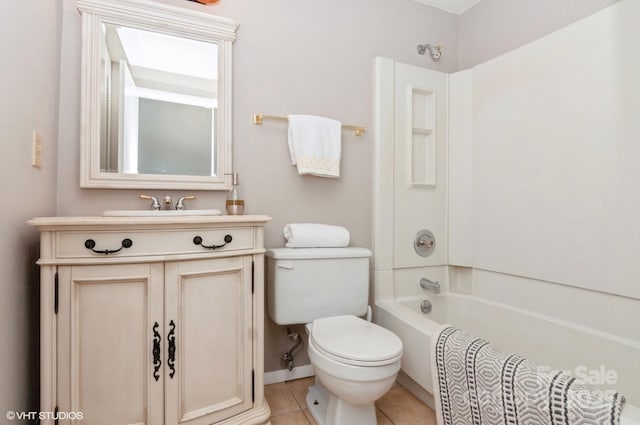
[160,103]
[156,96]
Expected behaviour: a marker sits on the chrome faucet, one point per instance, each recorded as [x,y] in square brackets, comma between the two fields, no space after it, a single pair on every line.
[430,285]
[168,203]
[155,205]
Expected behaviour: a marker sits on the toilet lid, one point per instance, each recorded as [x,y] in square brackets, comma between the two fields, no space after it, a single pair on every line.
[355,341]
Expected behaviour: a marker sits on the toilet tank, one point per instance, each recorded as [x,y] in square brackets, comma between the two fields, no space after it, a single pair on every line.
[305,284]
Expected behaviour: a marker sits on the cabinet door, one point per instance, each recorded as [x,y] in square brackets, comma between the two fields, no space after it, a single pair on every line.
[208,307]
[107,330]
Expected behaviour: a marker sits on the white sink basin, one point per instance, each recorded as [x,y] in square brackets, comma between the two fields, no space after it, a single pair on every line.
[161,213]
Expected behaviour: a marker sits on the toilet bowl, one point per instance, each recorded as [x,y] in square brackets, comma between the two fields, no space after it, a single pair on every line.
[356,362]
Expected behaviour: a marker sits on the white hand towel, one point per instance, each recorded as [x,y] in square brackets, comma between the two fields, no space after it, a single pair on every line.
[311,235]
[315,145]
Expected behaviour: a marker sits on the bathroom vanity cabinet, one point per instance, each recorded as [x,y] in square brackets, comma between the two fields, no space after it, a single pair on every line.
[153,320]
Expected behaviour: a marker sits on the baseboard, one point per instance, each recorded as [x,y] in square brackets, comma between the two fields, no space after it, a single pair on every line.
[283,375]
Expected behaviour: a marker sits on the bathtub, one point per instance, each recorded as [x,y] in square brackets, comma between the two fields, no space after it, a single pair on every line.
[586,353]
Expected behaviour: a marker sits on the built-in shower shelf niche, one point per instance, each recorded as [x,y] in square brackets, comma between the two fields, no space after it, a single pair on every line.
[423,137]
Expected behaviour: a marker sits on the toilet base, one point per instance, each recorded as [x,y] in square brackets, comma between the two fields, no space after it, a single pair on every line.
[317,402]
[328,409]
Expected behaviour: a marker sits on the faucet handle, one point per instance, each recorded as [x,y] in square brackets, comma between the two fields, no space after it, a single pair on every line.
[180,204]
[155,205]
[425,242]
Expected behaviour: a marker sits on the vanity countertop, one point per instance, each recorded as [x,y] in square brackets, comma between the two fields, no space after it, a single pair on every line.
[50,223]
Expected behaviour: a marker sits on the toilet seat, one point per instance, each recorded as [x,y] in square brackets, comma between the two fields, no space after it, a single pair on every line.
[354,341]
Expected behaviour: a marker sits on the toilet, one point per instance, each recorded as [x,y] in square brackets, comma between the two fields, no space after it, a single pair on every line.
[356,362]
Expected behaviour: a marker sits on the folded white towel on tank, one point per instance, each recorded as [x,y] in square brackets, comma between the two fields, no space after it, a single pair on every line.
[315,145]
[312,235]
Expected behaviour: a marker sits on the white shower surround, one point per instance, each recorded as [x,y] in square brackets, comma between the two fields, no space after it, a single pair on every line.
[516,270]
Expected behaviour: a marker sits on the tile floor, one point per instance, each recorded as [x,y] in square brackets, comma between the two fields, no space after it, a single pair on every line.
[397,407]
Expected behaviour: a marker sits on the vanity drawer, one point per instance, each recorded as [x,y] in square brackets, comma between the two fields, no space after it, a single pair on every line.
[83,244]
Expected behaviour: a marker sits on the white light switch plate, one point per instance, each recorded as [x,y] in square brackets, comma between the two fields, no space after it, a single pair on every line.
[36,160]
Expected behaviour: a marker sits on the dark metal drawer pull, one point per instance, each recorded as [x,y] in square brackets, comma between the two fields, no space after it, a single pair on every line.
[198,241]
[90,244]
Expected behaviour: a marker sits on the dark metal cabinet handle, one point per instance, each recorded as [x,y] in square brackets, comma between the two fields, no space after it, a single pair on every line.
[156,352]
[198,241]
[90,244]
[171,337]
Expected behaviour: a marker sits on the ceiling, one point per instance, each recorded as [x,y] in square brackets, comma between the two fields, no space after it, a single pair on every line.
[454,6]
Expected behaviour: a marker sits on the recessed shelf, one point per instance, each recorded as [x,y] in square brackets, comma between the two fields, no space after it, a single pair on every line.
[423,142]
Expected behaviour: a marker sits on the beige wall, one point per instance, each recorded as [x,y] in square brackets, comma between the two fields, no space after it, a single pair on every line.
[29,46]
[290,56]
[494,27]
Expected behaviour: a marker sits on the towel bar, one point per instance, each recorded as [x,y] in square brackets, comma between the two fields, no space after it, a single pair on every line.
[257,119]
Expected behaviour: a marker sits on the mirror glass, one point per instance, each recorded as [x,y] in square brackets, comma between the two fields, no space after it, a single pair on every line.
[159,103]
[156,96]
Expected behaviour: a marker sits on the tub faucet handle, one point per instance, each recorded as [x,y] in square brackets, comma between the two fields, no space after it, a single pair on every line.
[155,205]
[425,242]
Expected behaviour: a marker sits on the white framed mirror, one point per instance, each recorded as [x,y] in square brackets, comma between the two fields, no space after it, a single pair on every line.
[156,96]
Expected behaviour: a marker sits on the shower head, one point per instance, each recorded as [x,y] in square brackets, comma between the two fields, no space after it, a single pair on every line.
[434,51]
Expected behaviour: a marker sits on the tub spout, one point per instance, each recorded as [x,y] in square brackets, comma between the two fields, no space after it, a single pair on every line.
[430,285]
